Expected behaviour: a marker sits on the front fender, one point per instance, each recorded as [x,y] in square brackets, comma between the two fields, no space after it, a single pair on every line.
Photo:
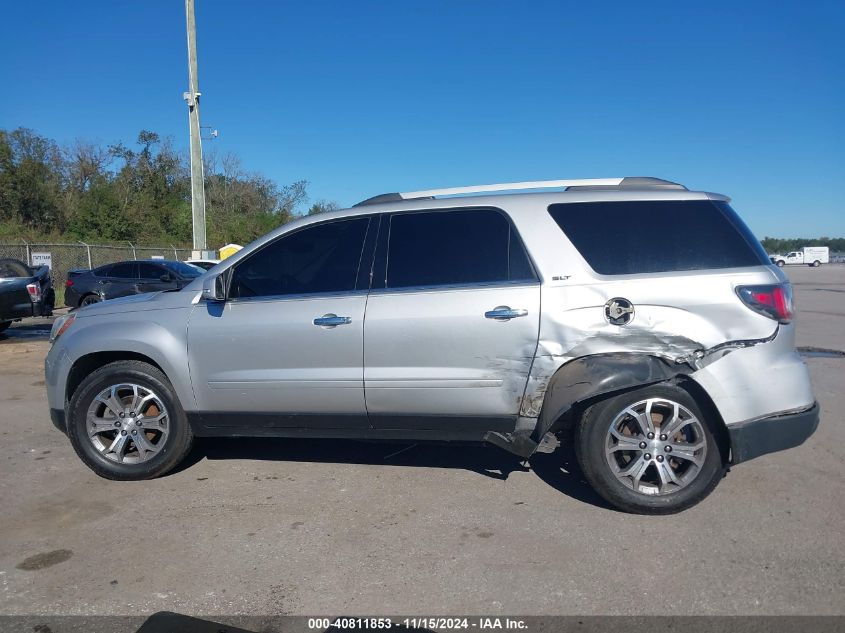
[159,336]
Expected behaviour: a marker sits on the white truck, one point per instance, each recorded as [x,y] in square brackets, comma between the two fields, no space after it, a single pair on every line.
[810,255]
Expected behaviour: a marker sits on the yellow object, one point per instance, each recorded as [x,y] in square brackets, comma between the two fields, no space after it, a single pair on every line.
[229,250]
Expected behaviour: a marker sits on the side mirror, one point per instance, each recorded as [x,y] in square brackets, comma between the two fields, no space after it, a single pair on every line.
[213,288]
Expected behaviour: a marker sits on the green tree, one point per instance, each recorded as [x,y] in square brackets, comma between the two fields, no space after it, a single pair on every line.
[30,179]
[139,193]
[323,206]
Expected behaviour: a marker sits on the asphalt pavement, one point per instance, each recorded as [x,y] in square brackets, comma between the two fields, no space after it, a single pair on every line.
[334,527]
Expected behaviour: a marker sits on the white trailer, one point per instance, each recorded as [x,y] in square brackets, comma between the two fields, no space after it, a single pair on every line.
[810,255]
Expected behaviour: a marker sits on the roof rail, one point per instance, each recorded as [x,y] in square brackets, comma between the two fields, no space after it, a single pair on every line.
[585,184]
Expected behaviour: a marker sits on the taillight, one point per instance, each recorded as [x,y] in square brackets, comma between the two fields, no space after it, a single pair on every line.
[68,283]
[773,301]
[34,291]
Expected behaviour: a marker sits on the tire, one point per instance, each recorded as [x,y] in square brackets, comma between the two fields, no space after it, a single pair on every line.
[170,437]
[816,264]
[604,469]
[4,325]
[780,263]
[88,300]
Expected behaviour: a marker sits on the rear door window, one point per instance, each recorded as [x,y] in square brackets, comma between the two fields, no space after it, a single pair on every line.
[623,238]
[465,246]
[151,271]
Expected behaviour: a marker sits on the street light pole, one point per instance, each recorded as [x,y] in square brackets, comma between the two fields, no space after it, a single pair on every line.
[192,97]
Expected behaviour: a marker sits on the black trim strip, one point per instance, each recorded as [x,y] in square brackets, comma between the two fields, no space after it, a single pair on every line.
[365,265]
[443,422]
[57,417]
[246,421]
[345,425]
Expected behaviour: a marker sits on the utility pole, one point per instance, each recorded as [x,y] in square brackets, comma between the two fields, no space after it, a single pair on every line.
[192,97]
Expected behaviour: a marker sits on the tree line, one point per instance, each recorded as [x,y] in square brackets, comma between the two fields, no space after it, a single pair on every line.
[139,193]
[780,246]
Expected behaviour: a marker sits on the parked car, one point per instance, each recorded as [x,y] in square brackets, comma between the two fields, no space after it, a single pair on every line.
[85,287]
[205,264]
[635,318]
[24,292]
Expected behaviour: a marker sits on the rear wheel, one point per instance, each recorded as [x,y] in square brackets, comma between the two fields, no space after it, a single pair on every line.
[780,263]
[125,422]
[816,264]
[88,300]
[649,451]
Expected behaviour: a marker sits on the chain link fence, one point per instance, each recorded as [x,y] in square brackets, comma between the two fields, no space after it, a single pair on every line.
[64,257]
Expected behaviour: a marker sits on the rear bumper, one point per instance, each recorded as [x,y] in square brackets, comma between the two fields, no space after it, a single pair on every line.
[771,434]
[18,311]
[758,382]
[71,297]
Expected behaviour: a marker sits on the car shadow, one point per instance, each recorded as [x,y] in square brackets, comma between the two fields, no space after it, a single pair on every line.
[559,470]
[169,622]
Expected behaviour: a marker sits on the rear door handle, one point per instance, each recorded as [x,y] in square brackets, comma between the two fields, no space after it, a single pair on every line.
[332,320]
[505,313]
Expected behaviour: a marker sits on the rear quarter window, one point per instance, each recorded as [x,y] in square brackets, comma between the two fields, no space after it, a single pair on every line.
[623,238]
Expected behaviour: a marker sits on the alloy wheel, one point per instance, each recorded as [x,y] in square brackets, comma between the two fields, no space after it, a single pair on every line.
[656,446]
[127,423]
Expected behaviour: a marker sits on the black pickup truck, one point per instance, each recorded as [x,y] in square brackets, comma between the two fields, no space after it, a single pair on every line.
[24,292]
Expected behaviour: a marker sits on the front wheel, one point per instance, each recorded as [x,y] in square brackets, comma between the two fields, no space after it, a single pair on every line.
[649,451]
[125,422]
[780,263]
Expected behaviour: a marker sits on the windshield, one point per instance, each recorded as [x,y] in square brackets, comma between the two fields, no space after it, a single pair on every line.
[182,269]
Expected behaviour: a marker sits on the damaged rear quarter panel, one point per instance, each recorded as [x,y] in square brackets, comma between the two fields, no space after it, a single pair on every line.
[704,313]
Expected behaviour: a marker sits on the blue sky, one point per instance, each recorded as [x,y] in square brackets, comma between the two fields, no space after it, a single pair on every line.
[360,98]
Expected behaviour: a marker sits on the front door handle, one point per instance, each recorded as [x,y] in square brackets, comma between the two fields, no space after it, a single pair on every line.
[332,320]
[505,313]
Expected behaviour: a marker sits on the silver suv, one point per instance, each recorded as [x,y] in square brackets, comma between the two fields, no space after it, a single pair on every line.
[635,318]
